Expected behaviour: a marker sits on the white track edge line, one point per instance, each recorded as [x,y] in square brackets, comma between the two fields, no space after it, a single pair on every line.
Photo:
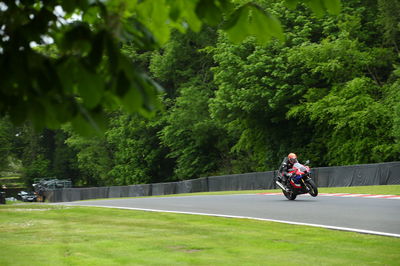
[251,218]
[341,195]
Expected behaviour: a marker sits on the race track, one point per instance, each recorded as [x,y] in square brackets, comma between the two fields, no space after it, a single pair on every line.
[365,215]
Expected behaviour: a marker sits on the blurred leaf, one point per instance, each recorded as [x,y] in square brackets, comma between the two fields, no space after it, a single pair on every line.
[189,15]
[237,25]
[250,20]
[151,91]
[51,117]
[175,9]
[77,38]
[122,85]
[227,6]
[291,3]
[37,115]
[136,32]
[113,56]
[68,6]
[263,22]
[96,52]
[317,7]
[132,101]
[89,123]
[92,14]
[154,15]
[82,126]
[90,86]
[209,12]
[71,6]
[333,6]
[66,71]
[66,110]
[183,13]
[130,81]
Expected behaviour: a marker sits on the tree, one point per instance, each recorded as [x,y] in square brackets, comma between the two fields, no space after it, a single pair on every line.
[6,147]
[299,95]
[89,74]
[139,156]
[94,159]
[64,161]
[350,101]
[195,140]
[390,21]
[36,150]
[256,88]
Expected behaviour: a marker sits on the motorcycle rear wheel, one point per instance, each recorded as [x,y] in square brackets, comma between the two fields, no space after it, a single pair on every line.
[313,188]
[290,195]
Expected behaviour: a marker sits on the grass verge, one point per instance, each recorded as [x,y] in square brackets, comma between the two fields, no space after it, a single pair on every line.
[56,235]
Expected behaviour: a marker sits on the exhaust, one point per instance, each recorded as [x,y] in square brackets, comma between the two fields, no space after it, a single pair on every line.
[281,186]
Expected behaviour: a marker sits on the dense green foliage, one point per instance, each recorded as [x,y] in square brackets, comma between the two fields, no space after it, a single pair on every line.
[86,74]
[328,92]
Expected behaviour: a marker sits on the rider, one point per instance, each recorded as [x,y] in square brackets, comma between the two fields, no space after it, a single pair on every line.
[286,165]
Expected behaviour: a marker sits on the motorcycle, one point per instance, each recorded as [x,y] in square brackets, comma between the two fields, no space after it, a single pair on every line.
[299,182]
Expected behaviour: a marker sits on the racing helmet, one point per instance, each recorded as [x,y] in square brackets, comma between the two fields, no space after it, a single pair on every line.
[292,158]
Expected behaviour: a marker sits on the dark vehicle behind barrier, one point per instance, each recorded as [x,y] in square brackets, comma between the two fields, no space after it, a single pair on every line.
[44,184]
[51,183]
[27,196]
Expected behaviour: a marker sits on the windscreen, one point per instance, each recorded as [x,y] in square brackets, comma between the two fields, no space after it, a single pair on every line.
[301,167]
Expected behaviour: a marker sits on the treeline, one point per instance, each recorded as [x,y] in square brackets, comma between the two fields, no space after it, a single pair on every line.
[329,92]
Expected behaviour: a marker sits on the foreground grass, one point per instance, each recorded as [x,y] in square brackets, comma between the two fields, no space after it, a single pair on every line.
[56,235]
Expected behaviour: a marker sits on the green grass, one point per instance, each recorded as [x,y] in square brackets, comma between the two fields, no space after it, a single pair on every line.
[54,235]
[41,234]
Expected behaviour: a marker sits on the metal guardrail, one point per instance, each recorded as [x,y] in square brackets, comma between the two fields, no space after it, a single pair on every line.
[340,176]
[51,184]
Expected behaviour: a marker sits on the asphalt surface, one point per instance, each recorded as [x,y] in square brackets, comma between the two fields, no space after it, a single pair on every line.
[366,215]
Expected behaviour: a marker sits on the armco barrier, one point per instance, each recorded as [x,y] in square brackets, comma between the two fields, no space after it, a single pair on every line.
[115,192]
[390,174]
[358,175]
[139,190]
[339,176]
[164,188]
[249,181]
[191,186]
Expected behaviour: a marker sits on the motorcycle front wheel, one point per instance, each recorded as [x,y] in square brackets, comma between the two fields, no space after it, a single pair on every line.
[312,187]
[290,195]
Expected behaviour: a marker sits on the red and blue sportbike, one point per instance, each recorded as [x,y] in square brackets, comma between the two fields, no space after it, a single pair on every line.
[299,182]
